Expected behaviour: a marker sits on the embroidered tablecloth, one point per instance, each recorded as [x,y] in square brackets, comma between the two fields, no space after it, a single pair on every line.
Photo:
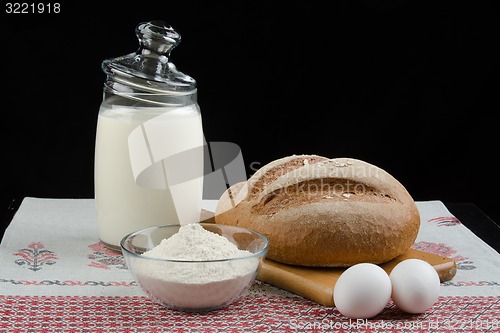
[55,276]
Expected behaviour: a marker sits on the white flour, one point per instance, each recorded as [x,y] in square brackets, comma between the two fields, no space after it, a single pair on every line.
[192,242]
[194,285]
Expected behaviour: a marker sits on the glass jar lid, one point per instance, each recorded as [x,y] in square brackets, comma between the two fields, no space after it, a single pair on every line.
[149,67]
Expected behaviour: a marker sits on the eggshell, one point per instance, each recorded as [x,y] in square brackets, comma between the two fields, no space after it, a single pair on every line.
[415,285]
[362,291]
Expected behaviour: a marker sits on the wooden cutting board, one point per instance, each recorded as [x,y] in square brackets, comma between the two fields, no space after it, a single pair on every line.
[317,284]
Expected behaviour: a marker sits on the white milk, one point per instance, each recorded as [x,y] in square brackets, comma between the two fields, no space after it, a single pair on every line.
[132,169]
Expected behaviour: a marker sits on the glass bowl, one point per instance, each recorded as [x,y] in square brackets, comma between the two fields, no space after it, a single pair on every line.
[181,290]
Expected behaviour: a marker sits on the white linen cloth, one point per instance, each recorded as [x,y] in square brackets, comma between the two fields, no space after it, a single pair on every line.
[51,247]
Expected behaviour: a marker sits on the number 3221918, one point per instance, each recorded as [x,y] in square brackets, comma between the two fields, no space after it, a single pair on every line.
[32,8]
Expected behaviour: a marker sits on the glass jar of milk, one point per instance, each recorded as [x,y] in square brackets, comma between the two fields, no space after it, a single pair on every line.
[149,142]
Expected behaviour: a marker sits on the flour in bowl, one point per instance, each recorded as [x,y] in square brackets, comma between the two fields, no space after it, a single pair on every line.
[193,243]
[189,281]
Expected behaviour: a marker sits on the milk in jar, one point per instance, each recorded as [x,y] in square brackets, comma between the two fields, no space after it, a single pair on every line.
[123,204]
[149,141]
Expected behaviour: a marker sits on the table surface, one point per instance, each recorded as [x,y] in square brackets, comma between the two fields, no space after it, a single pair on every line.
[78,285]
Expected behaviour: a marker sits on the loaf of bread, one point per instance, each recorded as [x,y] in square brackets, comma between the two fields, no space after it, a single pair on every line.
[324,212]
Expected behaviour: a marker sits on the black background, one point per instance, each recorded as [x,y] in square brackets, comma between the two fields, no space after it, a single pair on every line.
[405,85]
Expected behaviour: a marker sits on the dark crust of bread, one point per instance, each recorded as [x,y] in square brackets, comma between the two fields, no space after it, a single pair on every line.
[324,212]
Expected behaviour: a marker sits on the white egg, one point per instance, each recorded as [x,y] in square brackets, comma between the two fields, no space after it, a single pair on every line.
[362,291]
[415,285]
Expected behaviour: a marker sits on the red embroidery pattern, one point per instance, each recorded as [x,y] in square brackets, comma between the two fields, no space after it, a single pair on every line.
[447,221]
[70,283]
[105,258]
[253,313]
[35,256]
[442,249]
